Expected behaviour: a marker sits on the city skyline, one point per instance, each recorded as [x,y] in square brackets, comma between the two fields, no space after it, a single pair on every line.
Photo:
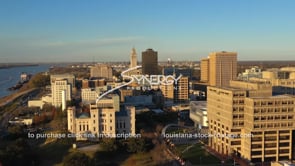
[76,31]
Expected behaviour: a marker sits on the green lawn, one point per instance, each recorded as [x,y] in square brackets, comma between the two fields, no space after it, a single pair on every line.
[139,159]
[198,155]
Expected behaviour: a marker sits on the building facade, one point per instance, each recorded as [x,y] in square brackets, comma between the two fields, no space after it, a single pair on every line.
[102,71]
[283,80]
[219,68]
[254,72]
[270,122]
[61,92]
[150,62]
[133,58]
[102,120]
[222,68]
[225,107]
[204,63]
[245,119]
[167,91]
[181,90]
[89,95]
[69,77]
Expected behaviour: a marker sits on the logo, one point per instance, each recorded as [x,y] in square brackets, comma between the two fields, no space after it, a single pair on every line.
[143,79]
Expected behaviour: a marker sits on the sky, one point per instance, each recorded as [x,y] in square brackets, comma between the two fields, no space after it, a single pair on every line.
[106,30]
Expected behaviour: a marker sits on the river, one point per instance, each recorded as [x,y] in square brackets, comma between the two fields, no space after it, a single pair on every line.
[10,76]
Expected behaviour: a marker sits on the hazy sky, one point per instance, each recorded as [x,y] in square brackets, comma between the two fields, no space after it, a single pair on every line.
[106,30]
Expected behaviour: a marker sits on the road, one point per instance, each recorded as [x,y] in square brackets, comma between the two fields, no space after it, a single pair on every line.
[11,98]
[6,116]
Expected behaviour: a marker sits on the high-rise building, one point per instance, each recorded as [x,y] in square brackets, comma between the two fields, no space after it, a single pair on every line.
[167,91]
[205,70]
[101,71]
[133,58]
[270,122]
[222,67]
[181,90]
[245,119]
[150,62]
[61,90]
[219,68]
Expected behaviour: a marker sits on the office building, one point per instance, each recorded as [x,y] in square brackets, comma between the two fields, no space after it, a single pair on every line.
[89,95]
[101,71]
[271,123]
[219,68]
[69,77]
[254,72]
[150,62]
[167,91]
[245,119]
[225,108]
[181,90]
[204,63]
[61,92]
[283,80]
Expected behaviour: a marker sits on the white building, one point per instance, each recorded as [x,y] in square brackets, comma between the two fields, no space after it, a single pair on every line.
[57,88]
[89,95]
[69,77]
[198,113]
[40,103]
[254,72]
[104,119]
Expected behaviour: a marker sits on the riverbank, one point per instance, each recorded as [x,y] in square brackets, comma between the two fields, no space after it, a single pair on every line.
[11,65]
[8,99]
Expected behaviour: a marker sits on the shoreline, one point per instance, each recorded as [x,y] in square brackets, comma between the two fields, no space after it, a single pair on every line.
[7,66]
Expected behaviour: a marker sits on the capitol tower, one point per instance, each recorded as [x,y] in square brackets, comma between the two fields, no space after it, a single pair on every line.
[133,58]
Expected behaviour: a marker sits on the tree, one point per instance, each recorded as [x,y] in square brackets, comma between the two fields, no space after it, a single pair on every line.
[15,131]
[76,159]
[39,80]
[109,144]
[18,153]
[136,145]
